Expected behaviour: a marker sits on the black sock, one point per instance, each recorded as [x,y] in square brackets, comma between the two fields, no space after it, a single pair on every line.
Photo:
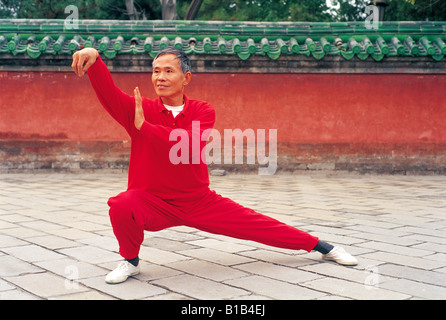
[323,247]
[133,261]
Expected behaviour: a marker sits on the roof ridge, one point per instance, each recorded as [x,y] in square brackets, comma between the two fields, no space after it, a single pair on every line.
[214,27]
[273,39]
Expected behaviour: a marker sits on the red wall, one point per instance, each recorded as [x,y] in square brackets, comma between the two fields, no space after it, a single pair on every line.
[305,108]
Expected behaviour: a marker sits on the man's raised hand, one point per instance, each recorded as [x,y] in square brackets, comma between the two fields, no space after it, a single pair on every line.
[139,112]
[83,59]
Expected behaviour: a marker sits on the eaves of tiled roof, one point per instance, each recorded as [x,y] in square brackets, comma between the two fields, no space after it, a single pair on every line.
[244,39]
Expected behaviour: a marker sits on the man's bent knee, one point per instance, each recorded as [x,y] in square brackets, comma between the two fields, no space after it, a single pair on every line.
[121,206]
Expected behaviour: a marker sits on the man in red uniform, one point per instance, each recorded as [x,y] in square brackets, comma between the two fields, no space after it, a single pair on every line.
[162,194]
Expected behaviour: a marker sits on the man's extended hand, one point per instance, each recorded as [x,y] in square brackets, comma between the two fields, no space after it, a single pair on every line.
[139,113]
[83,59]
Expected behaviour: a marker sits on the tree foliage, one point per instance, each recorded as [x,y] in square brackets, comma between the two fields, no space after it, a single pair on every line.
[416,10]
[260,10]
[88,9]
[228,10]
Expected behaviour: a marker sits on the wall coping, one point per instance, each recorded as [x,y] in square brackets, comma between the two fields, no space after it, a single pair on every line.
[36,38]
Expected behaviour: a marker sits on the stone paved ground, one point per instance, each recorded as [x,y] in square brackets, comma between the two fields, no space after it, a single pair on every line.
[56,241]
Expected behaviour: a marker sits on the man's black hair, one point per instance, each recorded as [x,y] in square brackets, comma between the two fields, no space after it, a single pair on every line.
[184,59]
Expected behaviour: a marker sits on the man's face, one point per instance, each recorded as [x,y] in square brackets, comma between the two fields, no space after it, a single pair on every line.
[168,78]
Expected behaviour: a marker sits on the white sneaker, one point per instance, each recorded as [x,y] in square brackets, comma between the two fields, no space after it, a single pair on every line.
[339,255]
[124,270]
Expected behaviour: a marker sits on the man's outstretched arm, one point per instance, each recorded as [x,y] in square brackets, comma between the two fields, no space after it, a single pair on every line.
[118,104]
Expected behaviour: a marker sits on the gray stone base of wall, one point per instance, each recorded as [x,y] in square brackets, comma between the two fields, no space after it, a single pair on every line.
[87,156]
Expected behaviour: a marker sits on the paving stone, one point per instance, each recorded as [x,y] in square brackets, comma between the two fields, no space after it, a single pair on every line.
[169,296]
[128,290]
[225,246]
[86,226]
[207,270]
[363,274]
[167,244]
[282,273]
[395,248]
[41,225]
[427,239]
[103,242]
[71,268]
[177,234]
[15,218]
[415,274]
[199,288]
[53,242]
[274,289]
[88,295]
[8,241]
[72,233]
[416,289]
[91,254]
[215,256]
[158,256]
[32,253]
[17,294]
[402,241]
[11,266]
[280,258]
[150,271]
[422,231]
[415,262]
[437,257]
[354,290]
[46,285]
[22,232]
[5,286]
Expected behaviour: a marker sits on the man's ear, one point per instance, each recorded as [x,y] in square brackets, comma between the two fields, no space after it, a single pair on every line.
[187,78]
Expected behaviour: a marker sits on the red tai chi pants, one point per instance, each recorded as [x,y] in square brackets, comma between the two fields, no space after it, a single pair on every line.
[133,211]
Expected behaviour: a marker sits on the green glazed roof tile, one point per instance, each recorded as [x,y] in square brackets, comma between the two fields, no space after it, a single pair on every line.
[161,28]
[440,44]
[343,29]
[207,29]
[254,30]
[275,30]
[121,29]
[97,28]
[187,29]
[244,39]
[231,29]
[410,26]
[432,29]
[142,29]
[52,28]
[299,29]
[9,27]
[28,28]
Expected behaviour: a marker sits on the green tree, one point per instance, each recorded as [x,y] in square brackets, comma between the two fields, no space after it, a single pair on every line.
[88,9]
[259,10]
[397,10]
[416,10]
[227,10]
[9,9]
[310,10]
[351,10]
